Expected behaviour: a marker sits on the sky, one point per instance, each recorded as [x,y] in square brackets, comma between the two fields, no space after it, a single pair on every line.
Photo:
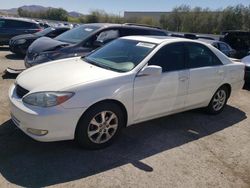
[119,6]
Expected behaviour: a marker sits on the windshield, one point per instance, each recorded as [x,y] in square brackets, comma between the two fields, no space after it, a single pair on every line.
[45,31]
[121,55]
[78,34]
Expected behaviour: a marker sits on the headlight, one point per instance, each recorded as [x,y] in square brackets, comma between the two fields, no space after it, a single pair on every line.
[47,99]
[21,41]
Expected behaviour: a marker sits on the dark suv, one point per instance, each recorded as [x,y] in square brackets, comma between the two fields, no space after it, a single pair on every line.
[10,27]
[82,40]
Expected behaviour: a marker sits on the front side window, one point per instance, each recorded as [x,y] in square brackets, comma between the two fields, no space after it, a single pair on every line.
[170,57]
[200,56]
[121,55]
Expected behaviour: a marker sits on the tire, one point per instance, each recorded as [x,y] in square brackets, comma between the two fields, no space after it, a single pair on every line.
[218,101]
[93,132]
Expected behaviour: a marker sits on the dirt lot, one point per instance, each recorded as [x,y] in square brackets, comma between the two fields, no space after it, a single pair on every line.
[190,149]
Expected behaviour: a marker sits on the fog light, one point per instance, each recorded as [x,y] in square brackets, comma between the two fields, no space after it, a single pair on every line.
[37,132]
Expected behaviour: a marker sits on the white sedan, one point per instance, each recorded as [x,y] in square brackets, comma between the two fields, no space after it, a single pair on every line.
[130,80]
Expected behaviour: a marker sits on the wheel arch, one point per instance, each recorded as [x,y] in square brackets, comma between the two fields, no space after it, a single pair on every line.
[107,101]
[229,88]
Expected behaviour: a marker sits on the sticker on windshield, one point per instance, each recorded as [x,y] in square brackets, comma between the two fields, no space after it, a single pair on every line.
[88,29]
[146,45]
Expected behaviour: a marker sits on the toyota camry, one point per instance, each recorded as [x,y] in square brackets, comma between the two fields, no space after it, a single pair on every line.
[130,80]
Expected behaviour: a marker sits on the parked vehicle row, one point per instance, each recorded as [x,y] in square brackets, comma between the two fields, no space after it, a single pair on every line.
[82,40]
[130,80]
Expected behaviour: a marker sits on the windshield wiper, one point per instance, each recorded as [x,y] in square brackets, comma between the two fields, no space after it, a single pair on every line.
[101,65]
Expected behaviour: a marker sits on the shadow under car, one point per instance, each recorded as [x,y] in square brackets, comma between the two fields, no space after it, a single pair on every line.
[28,163]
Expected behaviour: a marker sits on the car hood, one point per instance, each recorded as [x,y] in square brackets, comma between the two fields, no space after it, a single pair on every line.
[46,44]
[25,36]
[61,74]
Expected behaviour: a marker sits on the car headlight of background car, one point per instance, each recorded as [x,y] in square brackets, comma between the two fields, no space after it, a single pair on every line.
[21,41]
[47,55]
[47,99]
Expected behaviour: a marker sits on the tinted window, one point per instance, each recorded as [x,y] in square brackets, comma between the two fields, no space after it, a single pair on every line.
[108,35]
[215,45]
[158,33]
[200,56]
[170,57]
[45,31]
[135,31]
[223,47]
[18,24]
[2,23]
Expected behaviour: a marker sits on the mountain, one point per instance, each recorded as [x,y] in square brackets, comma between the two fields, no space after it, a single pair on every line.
[34,8]
[75,14]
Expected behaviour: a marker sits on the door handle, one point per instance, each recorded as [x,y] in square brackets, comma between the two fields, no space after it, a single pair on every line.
[183,78]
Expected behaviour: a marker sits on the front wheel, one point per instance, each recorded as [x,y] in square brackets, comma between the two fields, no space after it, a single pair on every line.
[219,101]
[99,126]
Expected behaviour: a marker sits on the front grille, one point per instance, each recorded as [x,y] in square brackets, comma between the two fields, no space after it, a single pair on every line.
[21,91]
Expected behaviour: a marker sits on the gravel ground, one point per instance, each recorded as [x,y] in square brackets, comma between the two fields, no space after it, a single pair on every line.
[189,149]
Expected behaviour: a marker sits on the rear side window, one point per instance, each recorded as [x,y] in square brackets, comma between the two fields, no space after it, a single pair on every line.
[135,31]
[199,55]
[170,57]
[158,33]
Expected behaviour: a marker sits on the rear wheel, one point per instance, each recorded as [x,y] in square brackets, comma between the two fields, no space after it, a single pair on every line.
[219,101]
[99,126]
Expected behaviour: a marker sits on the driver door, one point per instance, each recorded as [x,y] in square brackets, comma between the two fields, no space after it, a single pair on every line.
[156,96]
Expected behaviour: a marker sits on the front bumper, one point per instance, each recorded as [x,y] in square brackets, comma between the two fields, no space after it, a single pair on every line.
[58,121]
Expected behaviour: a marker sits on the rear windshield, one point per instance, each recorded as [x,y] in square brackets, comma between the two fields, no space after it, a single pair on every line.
[78,34]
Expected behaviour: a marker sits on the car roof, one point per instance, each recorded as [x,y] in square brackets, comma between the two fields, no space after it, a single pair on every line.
[19,19]
[126,25]
[159,39]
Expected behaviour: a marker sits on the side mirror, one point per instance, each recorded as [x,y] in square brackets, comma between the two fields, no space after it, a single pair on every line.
[151,70]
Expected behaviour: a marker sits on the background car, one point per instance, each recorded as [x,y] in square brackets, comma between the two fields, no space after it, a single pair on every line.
[10,27]
[238,40]
[19,44]
[130,80]
[222,46]
[82,40]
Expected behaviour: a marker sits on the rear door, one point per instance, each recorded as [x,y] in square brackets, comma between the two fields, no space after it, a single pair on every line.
[206,74]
